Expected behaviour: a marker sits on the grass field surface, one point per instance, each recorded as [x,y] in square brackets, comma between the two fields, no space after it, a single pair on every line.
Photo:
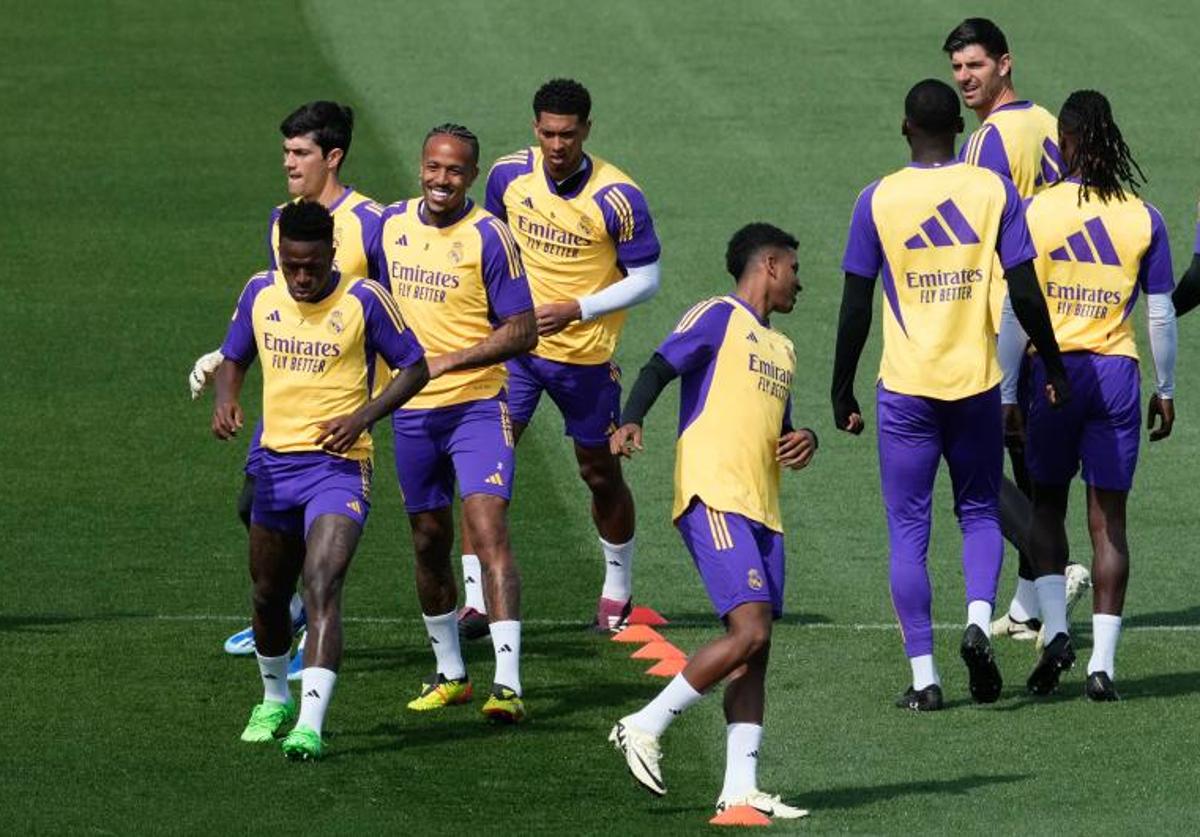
[142,148]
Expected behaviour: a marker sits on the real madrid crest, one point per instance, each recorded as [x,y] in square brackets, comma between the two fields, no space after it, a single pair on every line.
[586,226]
[456,253]
[336,325]
[754,580]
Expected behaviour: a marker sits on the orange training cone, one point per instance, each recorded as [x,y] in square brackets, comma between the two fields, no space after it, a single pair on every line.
[740,815]
[638,633]
[659,651]
[667,668]
[646,616]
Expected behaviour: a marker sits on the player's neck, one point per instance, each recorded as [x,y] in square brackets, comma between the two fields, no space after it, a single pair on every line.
[1006,96]
[330,193]
[933,153]
[754,294]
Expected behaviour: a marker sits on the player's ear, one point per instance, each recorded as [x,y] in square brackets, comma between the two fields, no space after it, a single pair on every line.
[1004,63]
[905,130]
[334,158]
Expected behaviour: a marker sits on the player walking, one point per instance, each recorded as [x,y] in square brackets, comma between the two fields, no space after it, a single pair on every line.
[734,434]
[457,277]
[317,332]
[932,231]
[1099,246]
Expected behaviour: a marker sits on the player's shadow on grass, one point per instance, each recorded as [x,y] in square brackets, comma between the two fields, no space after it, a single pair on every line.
[1174,684]
[1170,618]
[855,796]
[39,623]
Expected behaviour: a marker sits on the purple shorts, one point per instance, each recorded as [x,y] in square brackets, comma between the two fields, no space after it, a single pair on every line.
[471,441]
[254,454]
[740,560]
[1101,425]
[588,396]
[291,490]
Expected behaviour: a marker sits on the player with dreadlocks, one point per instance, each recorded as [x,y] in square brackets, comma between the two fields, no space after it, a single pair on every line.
[1099,246]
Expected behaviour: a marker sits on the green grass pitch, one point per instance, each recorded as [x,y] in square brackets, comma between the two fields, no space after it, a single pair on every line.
[142,160]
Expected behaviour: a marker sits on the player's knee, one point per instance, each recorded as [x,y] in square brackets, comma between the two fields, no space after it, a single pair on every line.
[602,476]
[754,640]
[268,597]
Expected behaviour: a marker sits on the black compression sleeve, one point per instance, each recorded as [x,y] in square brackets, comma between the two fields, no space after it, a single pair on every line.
[854,324]
[1187,292]
[1030,307]
[650,383]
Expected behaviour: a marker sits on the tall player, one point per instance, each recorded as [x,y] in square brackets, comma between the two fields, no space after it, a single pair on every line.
[316,140]
[1018,140]
[457,277]
[932,231]
[591,253]
[1099,246]
[318,333]
[735,432]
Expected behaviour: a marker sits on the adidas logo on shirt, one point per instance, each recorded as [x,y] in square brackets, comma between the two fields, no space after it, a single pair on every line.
[947,228]
[752,337]
[527,202]
[1079,249]
[402,241]
[274,316]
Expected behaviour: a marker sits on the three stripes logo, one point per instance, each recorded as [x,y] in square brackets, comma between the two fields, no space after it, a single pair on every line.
[527,203]
[504,649]
[402,241]
[946,228]
[751,337]
[274,316]
[1087,244]
[495,479]
[313,693]
[354,506]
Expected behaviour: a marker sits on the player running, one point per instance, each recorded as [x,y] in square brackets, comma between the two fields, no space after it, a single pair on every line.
[1099,246]
[589,247]
[932,230]
[318,333]
[1018,140]
[735,432]
[316,140]
[455,272]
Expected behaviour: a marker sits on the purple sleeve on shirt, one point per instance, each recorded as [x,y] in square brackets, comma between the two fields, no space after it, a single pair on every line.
[382,272]
[992,154]
[503,273]
[271,265]
[1155,274]
[627,219]
[864,253]
[1013,244]
[502,174]
[239,344]
[386,334]
[697,337]
[787,415]
[368,214]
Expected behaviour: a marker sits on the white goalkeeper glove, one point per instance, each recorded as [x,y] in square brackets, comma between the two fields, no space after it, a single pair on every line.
[202,372]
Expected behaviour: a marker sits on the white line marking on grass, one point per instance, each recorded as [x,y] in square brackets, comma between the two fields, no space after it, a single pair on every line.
[679,623]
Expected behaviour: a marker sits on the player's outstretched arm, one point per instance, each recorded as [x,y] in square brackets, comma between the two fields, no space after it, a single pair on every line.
[854,324]
[651,381]
[339,434]
[1030,308]
[227,417]
[515,335]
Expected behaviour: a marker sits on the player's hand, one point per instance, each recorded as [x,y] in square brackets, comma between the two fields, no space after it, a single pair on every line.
[437,366]
[1164,410]
[553,317]
[1014,428]
[339,434]
[847,415]
[795,450]
[626,440]
[227,419]
[1058,391]
[203,371]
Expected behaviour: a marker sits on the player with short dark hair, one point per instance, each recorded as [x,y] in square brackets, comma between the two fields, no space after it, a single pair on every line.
[591,253]
[1099,246]
[455,272]
[932,231]
[1018,140]
[316,140]
[317,332]
[735,372]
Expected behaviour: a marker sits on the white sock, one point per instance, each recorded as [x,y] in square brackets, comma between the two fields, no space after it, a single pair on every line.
[670,703]
[506,642]
[618,570]
[1106,630]
[443,636]
[924,672]
[741,759]
[1024,605]
[273,671]
[473,582]
[979,613]
[1052,597]
[316,688]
